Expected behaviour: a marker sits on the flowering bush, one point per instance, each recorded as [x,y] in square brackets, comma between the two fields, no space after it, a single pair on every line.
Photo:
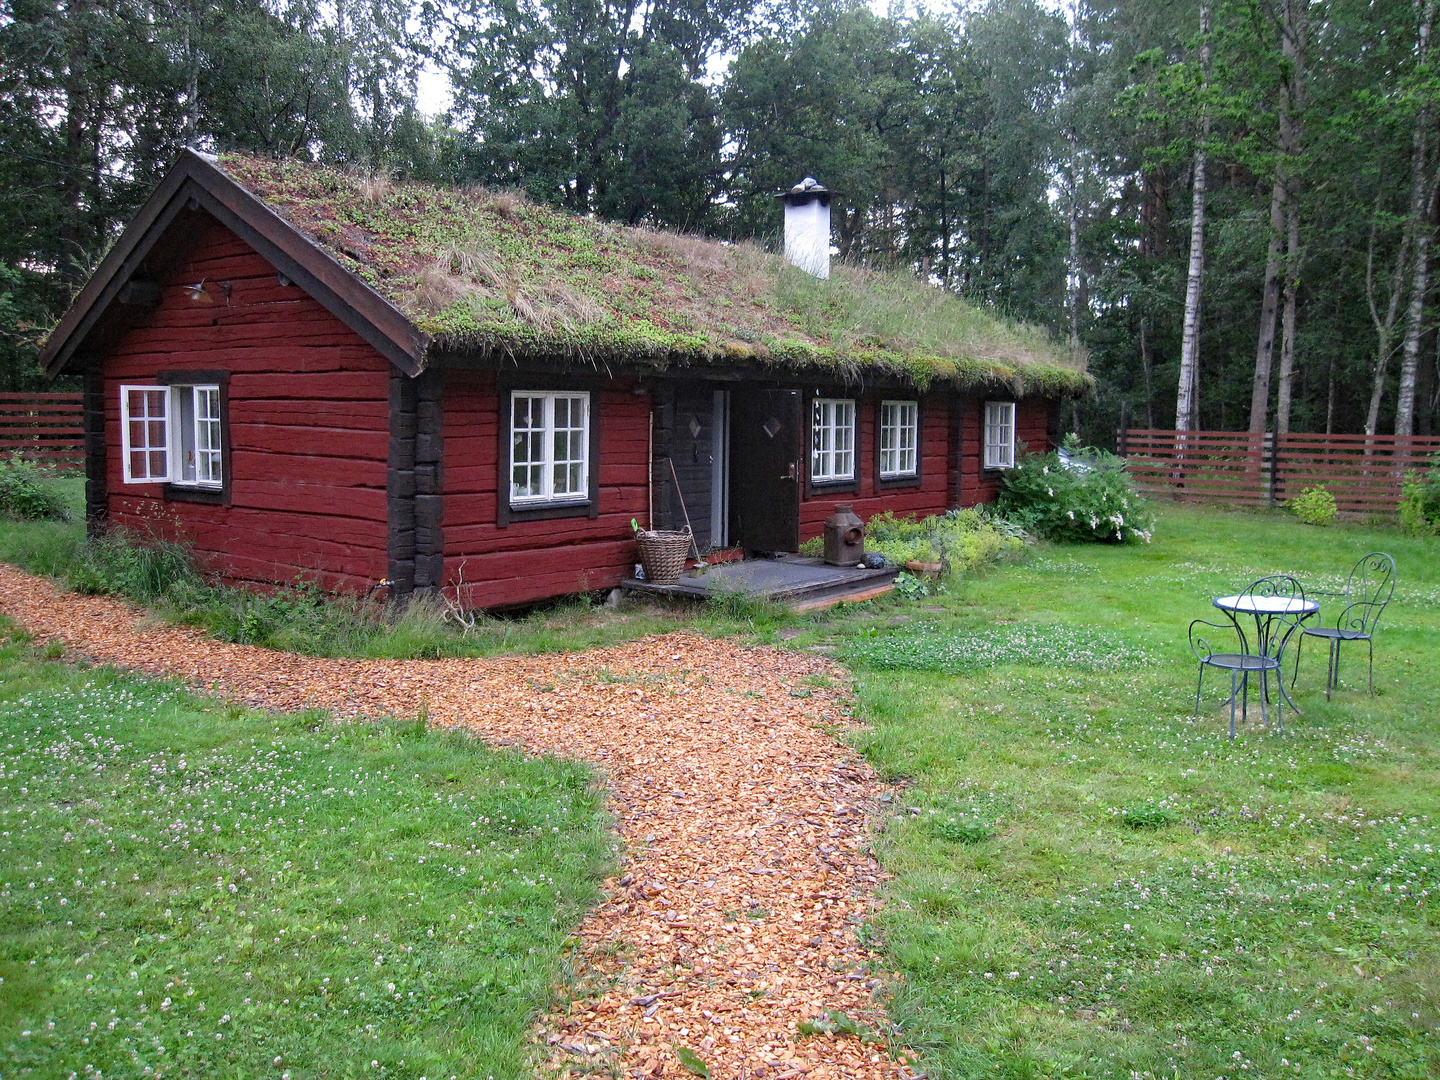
[1087,497]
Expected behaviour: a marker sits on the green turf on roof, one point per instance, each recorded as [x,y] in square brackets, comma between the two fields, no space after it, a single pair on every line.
[493,272]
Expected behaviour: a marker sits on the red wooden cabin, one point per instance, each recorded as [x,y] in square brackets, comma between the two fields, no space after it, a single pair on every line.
[288,372]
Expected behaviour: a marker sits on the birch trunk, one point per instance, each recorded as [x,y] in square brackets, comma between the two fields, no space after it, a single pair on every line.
[1414,327]
[1188,399]
[1417,229]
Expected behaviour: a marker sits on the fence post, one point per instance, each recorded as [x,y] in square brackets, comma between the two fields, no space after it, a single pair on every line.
[1122,439]
[1272,458]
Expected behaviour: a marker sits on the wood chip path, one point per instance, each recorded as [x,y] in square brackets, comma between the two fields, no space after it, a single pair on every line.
[747,875]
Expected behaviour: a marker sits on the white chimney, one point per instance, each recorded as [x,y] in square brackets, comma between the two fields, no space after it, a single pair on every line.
[807,227]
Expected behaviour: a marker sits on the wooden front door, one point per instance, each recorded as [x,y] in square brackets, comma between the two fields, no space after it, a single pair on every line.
[765,470]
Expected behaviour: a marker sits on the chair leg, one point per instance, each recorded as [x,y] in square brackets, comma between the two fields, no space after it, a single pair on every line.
[1332,670]
[1234,691]
[1279,697]
[1264,697]
[1370,642]
[1295,675]
[1199,684]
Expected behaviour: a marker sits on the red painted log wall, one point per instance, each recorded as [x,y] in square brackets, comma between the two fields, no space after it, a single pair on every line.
[941,418]
[930,497]
[531,560]
[309,424]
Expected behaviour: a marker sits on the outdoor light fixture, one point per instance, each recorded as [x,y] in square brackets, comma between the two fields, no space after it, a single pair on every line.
[200,295]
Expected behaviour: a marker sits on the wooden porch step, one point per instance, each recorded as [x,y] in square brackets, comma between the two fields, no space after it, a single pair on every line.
[802,584]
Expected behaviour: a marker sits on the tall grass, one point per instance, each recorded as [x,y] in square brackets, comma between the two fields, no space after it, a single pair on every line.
[298,616]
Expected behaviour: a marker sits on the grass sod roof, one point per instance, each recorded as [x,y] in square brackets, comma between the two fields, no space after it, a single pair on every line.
[492,272]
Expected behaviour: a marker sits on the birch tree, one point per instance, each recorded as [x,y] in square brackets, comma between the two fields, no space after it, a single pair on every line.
[1422,209]
[1187,404]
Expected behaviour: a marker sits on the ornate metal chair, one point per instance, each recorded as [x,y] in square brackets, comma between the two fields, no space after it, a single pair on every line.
[1278,606]
[1368,589]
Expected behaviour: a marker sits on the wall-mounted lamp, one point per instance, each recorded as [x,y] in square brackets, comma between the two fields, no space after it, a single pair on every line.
[200,295]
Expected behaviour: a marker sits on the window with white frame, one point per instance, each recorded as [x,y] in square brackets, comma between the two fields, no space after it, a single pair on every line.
[549,447]
[173,435]
[832,440]
[899,439]
[999,434]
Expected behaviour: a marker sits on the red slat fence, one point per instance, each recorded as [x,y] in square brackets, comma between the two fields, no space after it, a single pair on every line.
[1363,472]
[43,427]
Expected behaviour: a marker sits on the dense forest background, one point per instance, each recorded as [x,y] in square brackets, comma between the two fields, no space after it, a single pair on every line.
[1247,188]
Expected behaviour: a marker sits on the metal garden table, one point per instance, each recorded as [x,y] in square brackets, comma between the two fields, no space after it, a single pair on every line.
[1266,610]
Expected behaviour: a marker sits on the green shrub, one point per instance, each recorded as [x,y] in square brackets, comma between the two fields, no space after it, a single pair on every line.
[1420,501]
[1314,506]
[960,541]
[28,491]
[1090,501]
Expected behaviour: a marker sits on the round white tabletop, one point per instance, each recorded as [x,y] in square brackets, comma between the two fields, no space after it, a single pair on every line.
[1266,605]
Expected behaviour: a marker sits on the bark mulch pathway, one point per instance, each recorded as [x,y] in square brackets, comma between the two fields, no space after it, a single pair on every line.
[747,875]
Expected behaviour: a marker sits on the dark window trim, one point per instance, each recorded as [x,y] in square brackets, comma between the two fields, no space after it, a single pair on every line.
[819,489]
[905,480]
[190,493]
[505,514]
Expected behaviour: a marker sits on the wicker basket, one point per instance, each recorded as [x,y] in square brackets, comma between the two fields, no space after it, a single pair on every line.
[663,554]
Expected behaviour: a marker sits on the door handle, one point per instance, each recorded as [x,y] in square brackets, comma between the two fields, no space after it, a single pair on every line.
[791,474]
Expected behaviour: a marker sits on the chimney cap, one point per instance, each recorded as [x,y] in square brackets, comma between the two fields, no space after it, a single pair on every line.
[808,190]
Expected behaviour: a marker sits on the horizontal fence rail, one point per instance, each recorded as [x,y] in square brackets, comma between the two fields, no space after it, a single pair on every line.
[47,428]
[1363,472]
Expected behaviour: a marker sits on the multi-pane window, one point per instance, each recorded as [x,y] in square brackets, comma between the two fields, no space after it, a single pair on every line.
[145,433]
[172,434]
[999,434]
[832,440]
[899,438]
[198,415]
[549,447]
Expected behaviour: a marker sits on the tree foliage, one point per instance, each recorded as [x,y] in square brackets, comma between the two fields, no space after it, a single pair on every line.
[1040,157]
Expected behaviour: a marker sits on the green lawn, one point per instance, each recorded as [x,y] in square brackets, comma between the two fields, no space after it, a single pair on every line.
[1088,880]
[193,890]
[1091,882]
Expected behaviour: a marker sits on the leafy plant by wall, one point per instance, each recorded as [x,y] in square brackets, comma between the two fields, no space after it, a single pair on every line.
[960,540]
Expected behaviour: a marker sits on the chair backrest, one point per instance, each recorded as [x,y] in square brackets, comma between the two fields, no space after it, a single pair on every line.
[1372,581]
[1368,589]
[1269,595]
[1282,586]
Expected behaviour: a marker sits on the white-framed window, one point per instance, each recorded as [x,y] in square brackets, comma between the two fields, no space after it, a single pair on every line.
[999,434]
[832,440]
[899,439]
[549,447]
[172,435]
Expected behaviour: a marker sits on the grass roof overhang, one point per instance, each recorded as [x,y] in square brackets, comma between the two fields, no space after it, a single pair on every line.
[493,274]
